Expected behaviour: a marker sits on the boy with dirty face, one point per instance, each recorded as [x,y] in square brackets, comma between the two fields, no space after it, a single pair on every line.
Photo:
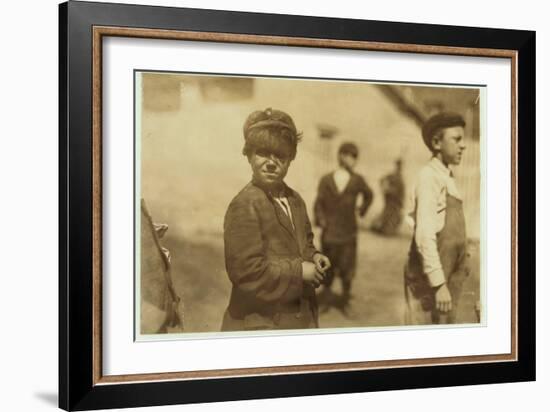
[269,254]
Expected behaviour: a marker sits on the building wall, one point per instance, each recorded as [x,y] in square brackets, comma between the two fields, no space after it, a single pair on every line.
[191,159]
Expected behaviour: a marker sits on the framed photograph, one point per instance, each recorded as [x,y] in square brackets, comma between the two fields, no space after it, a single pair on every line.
[257,205]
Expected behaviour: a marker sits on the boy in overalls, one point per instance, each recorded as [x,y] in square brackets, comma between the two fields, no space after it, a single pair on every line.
[436,267]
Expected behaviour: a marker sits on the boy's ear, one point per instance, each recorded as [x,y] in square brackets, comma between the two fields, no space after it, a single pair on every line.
[436,143]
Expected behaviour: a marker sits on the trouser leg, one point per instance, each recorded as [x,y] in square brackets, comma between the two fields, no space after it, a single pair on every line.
[331,251]
[348,255]
[415,314]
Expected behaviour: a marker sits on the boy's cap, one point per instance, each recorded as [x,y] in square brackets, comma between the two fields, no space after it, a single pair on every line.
[439,121]
[268,118]
[349,148]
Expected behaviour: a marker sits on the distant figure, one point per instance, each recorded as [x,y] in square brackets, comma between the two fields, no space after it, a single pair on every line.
[393,189]
[269,252]
[335,213]
[437,265]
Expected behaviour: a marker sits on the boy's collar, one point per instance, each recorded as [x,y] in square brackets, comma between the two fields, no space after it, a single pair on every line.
[345,169]
[440,166]
[284,190]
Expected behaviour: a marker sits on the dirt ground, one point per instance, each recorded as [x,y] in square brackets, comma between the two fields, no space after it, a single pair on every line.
[377,292]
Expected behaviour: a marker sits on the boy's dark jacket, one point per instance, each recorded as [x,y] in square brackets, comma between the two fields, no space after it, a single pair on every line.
[335,212]
[264,253]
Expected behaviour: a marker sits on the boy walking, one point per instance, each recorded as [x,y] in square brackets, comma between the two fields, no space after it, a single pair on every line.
[436,268]
[335,213]
[269,252]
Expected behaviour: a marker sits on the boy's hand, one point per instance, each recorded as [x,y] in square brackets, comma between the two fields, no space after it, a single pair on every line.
[322,263]
[443,301]
[311,275]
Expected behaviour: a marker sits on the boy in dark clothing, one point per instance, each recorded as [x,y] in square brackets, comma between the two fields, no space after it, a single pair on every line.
[269,252]
[335,213]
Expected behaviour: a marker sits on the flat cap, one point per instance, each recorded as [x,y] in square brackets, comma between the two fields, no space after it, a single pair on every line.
[268,118]
[349,148]
[440,121]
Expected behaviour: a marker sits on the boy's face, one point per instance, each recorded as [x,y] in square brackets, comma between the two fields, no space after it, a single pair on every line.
[347,160]
[269,167]
[451,145]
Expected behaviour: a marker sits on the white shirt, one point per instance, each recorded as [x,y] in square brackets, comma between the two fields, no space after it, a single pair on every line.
[341,178]
[283,202]
[434,182]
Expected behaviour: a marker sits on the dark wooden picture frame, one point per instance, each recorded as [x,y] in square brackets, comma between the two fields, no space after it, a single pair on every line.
[82,27]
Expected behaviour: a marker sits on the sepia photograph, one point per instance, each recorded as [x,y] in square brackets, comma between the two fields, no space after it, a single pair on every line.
[258,205]
[291,204]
